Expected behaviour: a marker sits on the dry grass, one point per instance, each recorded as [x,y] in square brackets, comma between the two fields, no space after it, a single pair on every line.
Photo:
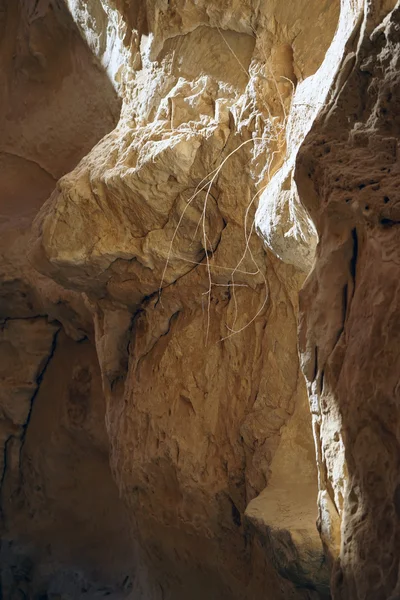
[275,140]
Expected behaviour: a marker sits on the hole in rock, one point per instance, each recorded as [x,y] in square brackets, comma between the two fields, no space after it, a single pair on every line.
[236,518]
[353,262]
[385,222]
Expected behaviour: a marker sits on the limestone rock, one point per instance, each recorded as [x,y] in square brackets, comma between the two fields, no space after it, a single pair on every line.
[284,515]
[347,176]
[194,323]
[55,526]
[154,415]
[25,348]
[345,160]
[62,516]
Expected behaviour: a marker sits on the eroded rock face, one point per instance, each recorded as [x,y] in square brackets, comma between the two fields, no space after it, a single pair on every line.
[56,528]
[195,322]
[66,526]
[347,176]
[149,303]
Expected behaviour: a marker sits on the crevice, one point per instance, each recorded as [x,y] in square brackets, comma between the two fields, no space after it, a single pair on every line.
[5,320]
[315,363]
[196,266]
[386,223]
[236,517]
[345,301]
[171,320]
[353,261]
[39,380]
[321,381]
[4,470]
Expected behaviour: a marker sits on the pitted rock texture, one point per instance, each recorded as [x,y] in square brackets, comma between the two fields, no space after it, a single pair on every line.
[155,418]
[347,175]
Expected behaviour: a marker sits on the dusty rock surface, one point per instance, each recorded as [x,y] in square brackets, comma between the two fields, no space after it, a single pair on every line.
[156,433]
[58,534]
[195,323]
[347,174]
[345,163]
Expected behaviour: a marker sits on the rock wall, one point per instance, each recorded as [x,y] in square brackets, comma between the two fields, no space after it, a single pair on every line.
[154,417]
[59,534]
[347,174]
[195,324]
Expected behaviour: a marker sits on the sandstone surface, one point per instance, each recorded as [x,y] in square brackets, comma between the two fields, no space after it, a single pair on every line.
[347,174]
[156,428]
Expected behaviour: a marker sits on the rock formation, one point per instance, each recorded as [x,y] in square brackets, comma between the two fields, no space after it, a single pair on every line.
[347,177]
[157,441]
[346,173]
